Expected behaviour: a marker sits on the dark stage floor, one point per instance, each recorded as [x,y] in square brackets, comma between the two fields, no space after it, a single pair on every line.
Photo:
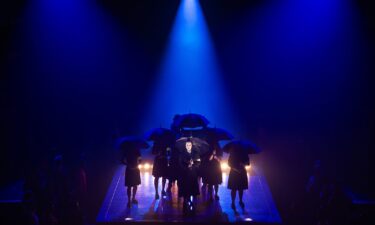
[259,205]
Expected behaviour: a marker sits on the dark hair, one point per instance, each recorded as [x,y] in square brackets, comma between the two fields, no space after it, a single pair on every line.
[189,140]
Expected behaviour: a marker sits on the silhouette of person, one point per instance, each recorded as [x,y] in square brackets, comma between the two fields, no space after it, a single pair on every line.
[132,159]
[189,161]
[160,167]
[237,180]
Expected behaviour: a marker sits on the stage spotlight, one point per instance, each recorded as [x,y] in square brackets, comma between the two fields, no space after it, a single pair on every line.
[146,166]
[224,166]
[190,75]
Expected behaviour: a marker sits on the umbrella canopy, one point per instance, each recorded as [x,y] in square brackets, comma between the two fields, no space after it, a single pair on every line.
[217,134]
[199,145]
[132,142]
[190,120]
[244,146]
[160,134]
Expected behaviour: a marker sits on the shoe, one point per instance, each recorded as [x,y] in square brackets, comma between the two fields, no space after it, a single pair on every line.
[242,204]
[233,206]
[156,196]
[134,201]
[217,197]
[163,193]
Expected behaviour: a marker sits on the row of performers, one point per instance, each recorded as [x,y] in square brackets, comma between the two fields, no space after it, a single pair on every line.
[186,167]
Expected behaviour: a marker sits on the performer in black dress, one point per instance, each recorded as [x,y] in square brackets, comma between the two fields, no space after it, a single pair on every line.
[132,159]
[203,173]
[173,156]
[188,183]
[160,167]
[237,180]
[212,174]
[173,167]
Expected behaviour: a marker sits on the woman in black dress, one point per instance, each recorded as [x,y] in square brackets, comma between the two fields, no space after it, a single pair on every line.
[188,181]
[132,174]
[173,167]
[173,155]
[160,167]
[237,180]
[212,174]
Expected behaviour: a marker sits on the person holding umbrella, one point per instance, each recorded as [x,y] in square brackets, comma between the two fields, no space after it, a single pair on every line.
[211,168]
[188,181]
[132,174]
[132,158]
[238,159]
[173,167]
[237,180]
[160,168]
[173,155]
[163,141]
[212,173]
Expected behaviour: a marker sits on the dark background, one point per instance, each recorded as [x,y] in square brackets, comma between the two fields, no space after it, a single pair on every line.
[300,76]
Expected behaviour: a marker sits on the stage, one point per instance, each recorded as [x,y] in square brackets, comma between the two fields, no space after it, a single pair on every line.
[259,206]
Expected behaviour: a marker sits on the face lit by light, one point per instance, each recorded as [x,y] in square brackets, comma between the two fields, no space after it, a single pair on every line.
[188,146]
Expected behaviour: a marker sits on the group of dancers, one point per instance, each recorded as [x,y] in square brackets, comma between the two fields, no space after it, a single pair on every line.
[184,168]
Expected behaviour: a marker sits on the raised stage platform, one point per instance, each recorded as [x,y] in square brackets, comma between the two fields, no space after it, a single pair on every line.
[259,206]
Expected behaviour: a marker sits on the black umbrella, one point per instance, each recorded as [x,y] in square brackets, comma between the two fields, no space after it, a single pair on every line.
[190,120]
[159,134]
[132,142]
[199,145]
[217,134]
[244,146]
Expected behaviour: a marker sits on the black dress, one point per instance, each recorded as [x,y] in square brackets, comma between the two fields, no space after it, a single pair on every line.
[160,167]
[173,169]
[188,179]
[238,176]
[203,167]
[212,174]
[132,172]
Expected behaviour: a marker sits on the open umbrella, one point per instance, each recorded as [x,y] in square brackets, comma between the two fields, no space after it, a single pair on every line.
[217,134]
[162,139]
[190,120]
[199,145]
[244,146]
[132,142]
[159,134]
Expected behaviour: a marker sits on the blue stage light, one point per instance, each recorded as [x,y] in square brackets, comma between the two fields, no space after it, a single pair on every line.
[190,79]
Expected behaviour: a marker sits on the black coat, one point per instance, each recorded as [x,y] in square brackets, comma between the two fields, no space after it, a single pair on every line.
[237,179]
[188,179]
[132,172]
[160,167]
[173,171]
[211,171]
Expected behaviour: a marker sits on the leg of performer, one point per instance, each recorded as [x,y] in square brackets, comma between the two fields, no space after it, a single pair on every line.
[156,185]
